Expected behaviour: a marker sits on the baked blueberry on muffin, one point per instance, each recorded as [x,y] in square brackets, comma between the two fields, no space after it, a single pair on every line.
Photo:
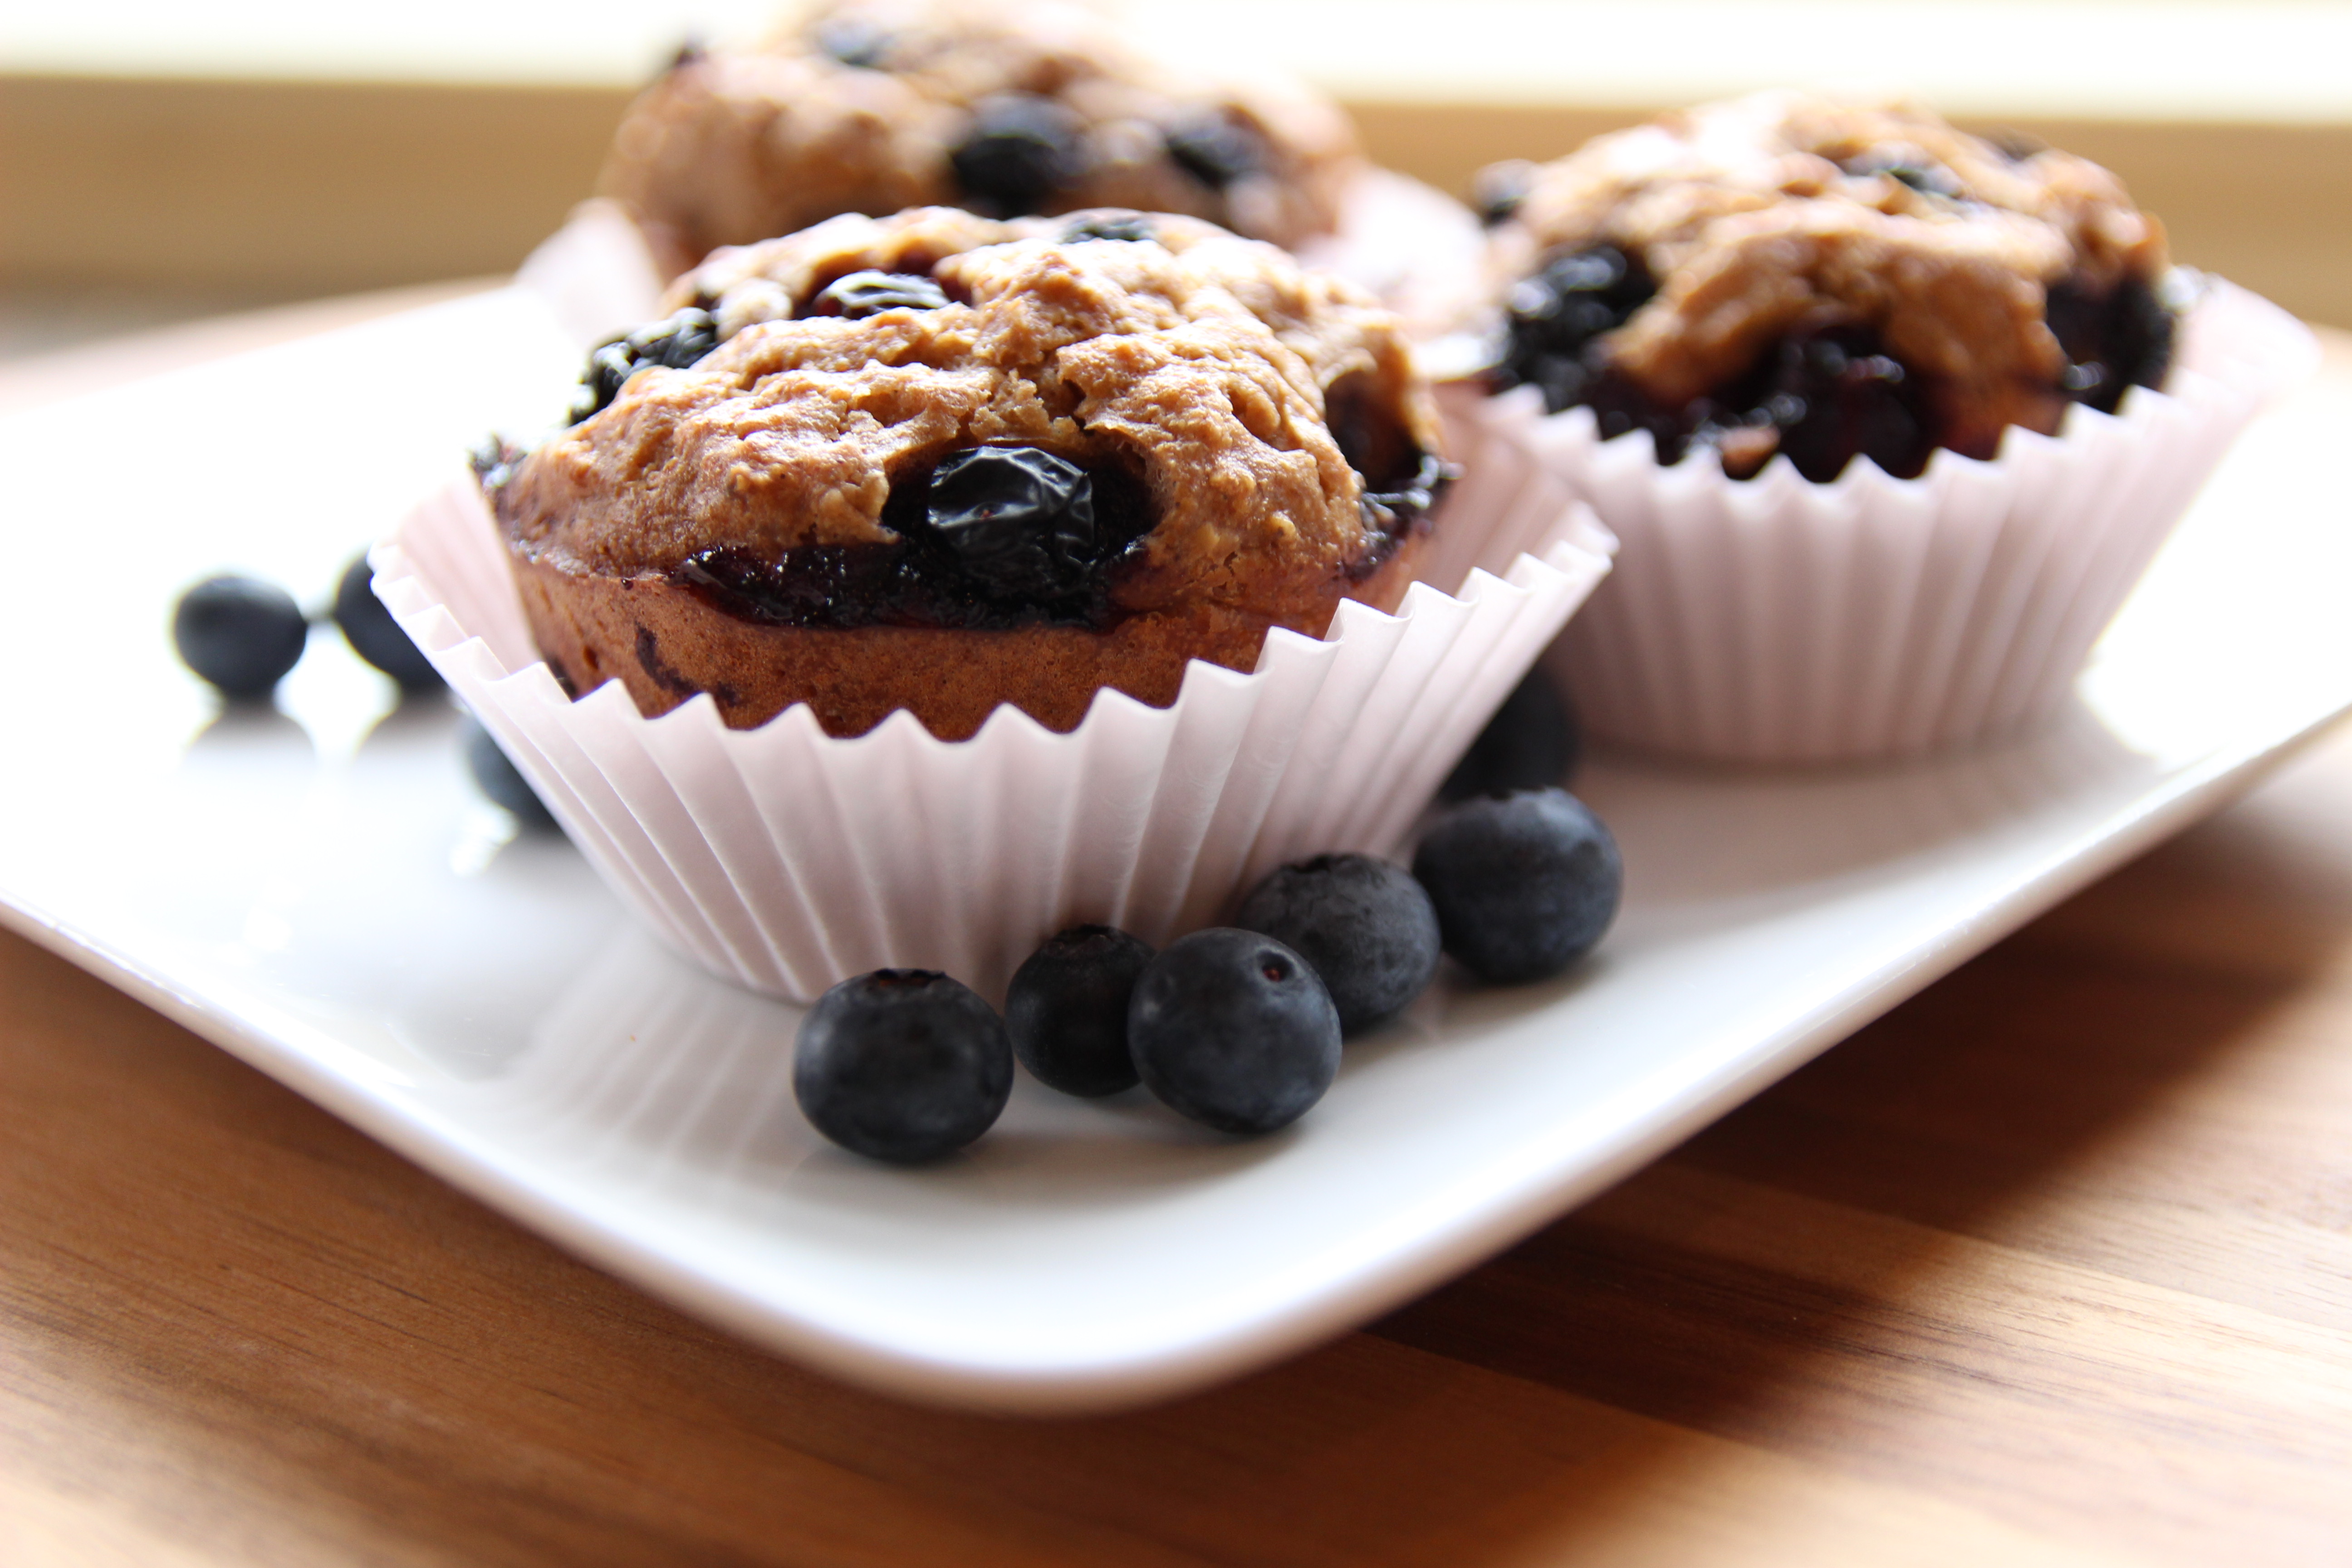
[867,106]
[938,462]
[1790,274]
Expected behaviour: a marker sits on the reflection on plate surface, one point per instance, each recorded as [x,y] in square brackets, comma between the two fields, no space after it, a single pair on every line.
[319,889]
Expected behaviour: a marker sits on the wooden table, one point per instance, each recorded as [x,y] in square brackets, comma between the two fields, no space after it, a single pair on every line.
[2052,1265]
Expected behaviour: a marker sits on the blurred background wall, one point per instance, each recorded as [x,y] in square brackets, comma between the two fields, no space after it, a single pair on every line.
[159,160]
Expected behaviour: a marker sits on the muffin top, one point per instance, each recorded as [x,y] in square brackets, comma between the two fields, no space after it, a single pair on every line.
[938,418]
[1662,266]
[871,106]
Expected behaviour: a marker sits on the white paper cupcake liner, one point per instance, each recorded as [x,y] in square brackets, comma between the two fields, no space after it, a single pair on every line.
[787,859]
[1776,620]
[1415,247]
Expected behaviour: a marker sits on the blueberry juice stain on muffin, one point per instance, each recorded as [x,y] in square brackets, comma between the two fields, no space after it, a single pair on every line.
[940,462]
[872,106]
[1785,274]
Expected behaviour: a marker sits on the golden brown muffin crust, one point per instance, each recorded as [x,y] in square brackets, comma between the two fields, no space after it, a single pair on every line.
[730,147]
[1769,213]
[1210,369]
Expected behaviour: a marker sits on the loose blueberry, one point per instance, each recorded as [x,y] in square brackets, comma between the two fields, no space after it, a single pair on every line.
[1364,924]
[1524,883]
[1233,1029]
[1066,1010]
[1133,226]
[1019,147]
[496,776]
[239,633]
[1215,150]
[1531,741]
[863,294]
[902,1065]
[374,636]
[1020,521]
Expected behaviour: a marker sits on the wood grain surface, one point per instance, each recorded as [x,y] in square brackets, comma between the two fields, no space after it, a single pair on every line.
[2052,1265]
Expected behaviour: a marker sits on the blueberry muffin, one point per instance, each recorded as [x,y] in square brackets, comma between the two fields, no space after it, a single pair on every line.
[871,106]
[940,461]
[1787,274]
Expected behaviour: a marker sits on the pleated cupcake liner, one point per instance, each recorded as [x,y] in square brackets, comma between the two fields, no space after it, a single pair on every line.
[787,859]
[1417,249]
[1777,620]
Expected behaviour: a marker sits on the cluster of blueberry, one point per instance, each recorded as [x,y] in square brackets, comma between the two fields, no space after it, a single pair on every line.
[1236,1028]
[988,537]
[243,634]
[1021,149]
[1822,396]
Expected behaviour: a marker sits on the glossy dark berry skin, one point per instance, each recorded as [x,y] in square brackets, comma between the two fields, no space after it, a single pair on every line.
[1066,1010]
[1364,924]
[1532,740]
[1215,150]
[903,1064]
[1233,1030]
[1498,190]
[856,42]
[1133,226]
[1020,521]
[1018,150]
[2114,342]
[989,538]
[863,294]
[241,634]
[1523,884]
[1823,396]
[374,636]
[678,341]
[1834,396]
[496,776]
[1554,317]
[494,461]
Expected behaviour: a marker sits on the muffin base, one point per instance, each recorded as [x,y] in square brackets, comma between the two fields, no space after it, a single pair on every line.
[1775,620]
[785,859]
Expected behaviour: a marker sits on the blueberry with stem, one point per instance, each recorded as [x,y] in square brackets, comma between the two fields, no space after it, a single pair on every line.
[1233,1030]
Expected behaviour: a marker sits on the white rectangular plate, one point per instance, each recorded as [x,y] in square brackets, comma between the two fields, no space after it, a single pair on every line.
[318,890]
